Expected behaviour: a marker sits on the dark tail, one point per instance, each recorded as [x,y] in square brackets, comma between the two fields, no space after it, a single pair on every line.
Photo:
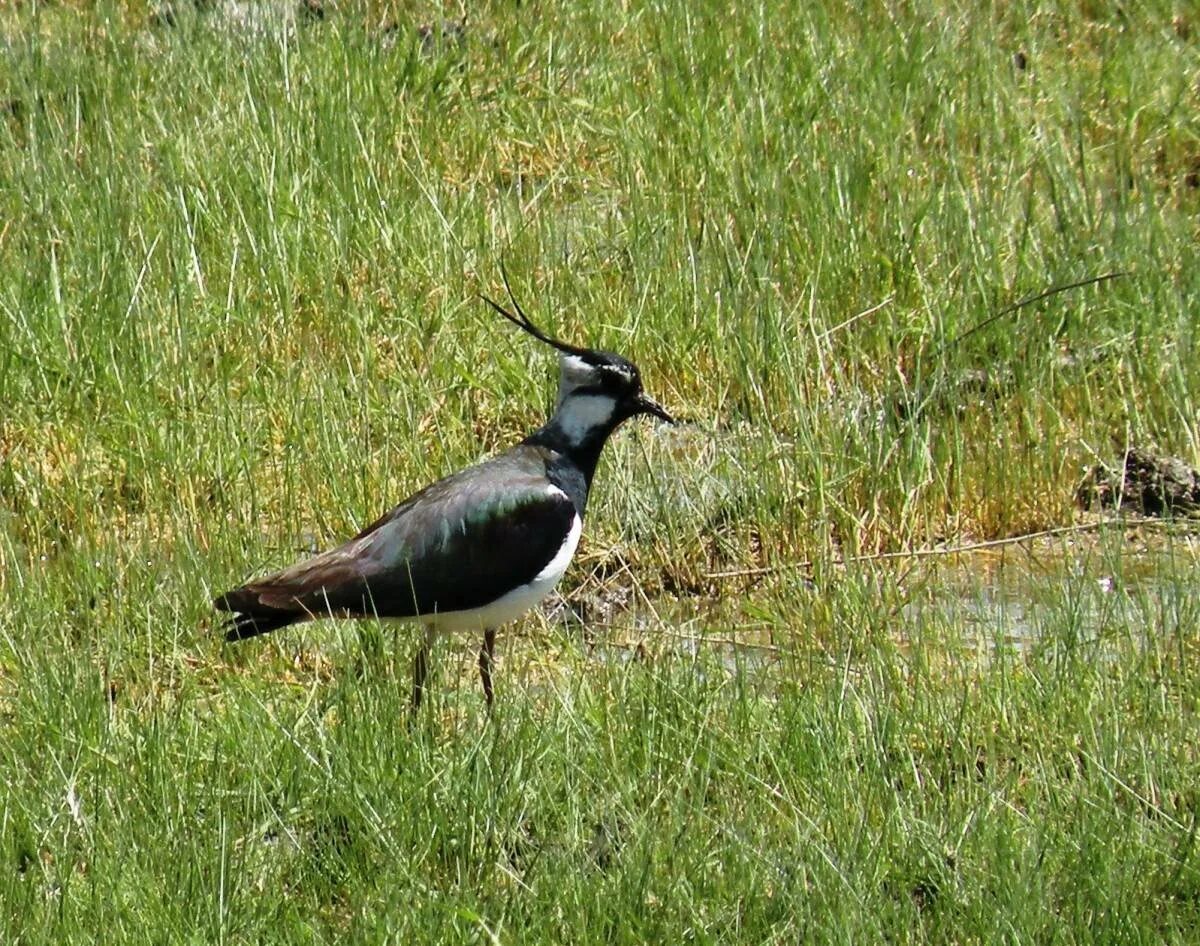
[251,617]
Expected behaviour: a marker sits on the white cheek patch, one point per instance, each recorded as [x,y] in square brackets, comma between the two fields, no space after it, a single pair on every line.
[582,414]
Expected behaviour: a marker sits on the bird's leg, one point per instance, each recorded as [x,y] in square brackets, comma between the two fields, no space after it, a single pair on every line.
[421,668]
[486,661]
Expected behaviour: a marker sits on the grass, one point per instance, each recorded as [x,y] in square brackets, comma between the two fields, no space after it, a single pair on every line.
[239,318]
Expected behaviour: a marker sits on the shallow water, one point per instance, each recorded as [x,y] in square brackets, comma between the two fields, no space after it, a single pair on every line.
[1067,595]
[1064,597]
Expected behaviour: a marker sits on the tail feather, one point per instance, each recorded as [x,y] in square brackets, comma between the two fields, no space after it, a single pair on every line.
[251,617]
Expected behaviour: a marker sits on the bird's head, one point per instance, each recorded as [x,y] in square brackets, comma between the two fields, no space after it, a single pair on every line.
[613,383]
[597,390]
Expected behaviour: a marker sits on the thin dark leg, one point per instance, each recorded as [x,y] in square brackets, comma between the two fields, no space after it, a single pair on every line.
[486,661]
[421,670]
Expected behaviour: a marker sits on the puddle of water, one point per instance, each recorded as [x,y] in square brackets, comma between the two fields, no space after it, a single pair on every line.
[1091,596]
[1063,601]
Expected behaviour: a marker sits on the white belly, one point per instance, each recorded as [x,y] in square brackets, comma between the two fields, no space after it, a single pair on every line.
[511,605]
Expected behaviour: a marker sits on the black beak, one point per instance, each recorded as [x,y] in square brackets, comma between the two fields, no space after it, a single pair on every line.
[644,404]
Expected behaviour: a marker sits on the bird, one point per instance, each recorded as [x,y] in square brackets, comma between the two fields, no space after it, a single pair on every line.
[478,548]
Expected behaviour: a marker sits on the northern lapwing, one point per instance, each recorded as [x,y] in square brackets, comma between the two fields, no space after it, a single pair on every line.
[474,550]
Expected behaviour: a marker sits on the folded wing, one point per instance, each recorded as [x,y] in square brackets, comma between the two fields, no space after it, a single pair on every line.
[456,545]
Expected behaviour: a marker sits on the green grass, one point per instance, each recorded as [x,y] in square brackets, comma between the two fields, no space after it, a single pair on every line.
[239,318]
